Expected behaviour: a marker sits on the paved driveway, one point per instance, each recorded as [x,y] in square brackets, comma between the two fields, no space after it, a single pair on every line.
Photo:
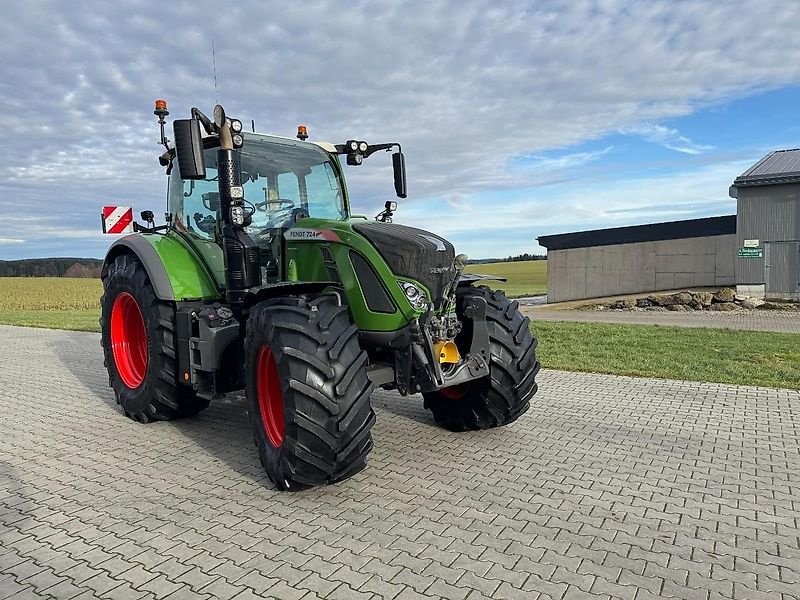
[609,486]
[784,321]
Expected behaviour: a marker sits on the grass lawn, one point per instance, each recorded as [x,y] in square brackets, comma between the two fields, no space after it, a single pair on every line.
[76,320]
[525,278]
[714,355]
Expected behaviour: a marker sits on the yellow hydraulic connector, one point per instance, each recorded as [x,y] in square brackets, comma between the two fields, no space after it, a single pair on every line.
[447,352]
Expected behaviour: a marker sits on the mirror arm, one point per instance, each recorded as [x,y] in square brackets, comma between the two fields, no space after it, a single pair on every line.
[207,124]
[371,149]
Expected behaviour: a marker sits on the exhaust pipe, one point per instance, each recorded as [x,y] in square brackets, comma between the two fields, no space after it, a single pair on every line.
[242,270]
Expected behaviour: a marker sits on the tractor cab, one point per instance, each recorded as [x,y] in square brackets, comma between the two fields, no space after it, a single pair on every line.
[283,181]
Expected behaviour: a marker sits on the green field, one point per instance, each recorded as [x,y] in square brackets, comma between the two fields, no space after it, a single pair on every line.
[56,302]
[724,356]
[49,293]
[525,278]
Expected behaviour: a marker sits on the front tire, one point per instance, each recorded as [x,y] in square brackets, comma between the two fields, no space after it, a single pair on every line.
[138,339]
[505,395]
[307,391]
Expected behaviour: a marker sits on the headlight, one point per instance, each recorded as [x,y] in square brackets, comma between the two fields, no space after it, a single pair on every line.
[416,297]
[352,146]
[362,146]
[236,126]
[237,215]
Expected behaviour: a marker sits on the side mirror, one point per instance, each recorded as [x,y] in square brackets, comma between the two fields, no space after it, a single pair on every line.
[399,166]
[189,147]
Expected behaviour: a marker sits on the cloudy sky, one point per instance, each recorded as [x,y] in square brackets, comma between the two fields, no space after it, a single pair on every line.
[518,119]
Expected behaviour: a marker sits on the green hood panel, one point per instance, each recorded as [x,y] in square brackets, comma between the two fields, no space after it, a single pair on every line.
[304,247]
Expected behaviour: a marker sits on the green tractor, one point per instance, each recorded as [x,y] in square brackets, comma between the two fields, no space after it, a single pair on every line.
[262,280]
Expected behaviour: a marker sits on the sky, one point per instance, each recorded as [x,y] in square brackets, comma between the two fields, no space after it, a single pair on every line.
[517,119]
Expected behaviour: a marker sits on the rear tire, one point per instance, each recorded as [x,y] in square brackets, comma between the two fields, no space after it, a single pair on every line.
[307,391]
[505,395]
[138,339]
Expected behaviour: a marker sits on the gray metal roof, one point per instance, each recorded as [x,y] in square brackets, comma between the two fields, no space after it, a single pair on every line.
[673,230]
[781,166]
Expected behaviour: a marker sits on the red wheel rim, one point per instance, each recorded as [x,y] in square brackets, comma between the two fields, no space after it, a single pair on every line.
[455,392]
[129,340]
[270,397]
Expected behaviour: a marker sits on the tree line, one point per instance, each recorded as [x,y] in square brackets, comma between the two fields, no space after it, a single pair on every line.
[517,258]
[51,267]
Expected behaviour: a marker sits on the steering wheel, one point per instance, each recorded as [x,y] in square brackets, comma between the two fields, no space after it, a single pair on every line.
[287,204]
[295,215]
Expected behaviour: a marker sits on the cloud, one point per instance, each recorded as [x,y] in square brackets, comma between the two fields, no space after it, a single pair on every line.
[510,227]
[546,169]
[667,137]
[11,241]
[464,86]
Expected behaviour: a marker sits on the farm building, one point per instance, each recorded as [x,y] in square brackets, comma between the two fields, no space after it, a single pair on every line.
[768,226]
[642,258]
[758,249]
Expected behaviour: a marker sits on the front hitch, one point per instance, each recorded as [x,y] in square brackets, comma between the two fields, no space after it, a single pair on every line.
[475,365]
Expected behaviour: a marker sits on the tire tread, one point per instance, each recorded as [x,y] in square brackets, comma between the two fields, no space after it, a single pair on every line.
[328,424]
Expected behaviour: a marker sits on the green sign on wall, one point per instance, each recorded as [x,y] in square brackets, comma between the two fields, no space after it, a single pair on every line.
[751,252]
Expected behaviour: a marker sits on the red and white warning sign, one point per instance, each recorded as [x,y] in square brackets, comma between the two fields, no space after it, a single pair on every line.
[117,219]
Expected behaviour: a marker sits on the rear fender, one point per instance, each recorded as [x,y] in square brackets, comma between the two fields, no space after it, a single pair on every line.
[147,255]
[176,271]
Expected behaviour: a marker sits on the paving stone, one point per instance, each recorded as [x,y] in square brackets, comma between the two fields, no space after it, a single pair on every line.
[222,590]
[43,579]
[101,583]
[10,587]
[619,487]
[63,590]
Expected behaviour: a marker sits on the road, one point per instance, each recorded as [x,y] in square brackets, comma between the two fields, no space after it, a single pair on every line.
[608,487]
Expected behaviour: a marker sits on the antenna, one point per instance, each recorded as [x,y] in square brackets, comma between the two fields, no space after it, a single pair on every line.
[214,67]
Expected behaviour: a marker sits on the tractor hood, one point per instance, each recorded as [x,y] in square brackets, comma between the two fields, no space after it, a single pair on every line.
[413,253]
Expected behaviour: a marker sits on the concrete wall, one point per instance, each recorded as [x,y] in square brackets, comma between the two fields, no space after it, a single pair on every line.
[581,273]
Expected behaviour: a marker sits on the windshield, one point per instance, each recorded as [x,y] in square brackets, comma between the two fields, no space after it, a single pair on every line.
[283,180]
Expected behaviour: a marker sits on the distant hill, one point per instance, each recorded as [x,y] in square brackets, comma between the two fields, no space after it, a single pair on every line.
[51,267]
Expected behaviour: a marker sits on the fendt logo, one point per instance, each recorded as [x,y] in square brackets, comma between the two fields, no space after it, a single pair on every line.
[117,219]
[311,234]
